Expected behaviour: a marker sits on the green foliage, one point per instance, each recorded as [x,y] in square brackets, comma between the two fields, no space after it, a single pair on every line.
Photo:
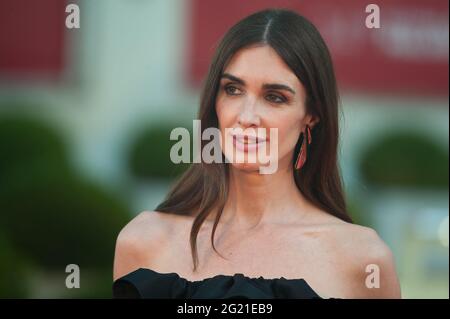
[58,218]
[48,212]
[24,141]
[94,284]
[13,272]
[150,154]
[359,212]
[405,159]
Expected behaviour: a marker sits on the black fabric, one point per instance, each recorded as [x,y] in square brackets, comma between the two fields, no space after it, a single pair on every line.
[147,283]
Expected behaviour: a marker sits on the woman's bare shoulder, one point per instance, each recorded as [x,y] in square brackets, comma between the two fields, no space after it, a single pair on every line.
[146,225]
[369,262]
[142,238]
[357,254]
[349,237]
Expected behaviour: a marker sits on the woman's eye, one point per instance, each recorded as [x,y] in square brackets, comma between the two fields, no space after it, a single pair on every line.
[273,98]
[231,90]
[276,99]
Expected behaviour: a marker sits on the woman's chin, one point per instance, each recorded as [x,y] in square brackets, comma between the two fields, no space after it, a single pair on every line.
[247,167]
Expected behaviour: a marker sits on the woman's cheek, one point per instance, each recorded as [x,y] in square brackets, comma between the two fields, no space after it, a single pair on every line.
[221,112]
[286,141]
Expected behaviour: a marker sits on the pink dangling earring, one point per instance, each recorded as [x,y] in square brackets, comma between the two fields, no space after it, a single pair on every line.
[302,155]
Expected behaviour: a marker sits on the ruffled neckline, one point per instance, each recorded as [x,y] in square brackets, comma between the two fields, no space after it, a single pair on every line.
[218,276]
[148,283]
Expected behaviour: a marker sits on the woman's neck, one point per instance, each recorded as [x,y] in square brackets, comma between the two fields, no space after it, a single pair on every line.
[255,199]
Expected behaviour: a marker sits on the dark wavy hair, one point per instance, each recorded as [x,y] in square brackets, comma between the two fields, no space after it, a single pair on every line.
[203,188]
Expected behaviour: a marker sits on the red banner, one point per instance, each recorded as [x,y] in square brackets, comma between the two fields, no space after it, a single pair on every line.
[32,38]
[408,54]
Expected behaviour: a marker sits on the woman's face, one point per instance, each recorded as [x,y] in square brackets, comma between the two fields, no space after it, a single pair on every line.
[259,91]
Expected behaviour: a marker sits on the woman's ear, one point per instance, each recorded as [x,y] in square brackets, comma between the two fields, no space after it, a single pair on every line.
[312,121]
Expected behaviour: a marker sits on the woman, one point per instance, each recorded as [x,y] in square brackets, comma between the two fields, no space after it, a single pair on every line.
[227,230]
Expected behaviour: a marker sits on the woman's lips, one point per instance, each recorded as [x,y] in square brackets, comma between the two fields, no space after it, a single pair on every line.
[246,144]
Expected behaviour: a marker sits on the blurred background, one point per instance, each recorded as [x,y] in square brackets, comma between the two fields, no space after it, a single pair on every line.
[85,116]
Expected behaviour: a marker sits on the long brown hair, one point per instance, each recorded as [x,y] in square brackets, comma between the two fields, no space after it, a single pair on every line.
[203,188]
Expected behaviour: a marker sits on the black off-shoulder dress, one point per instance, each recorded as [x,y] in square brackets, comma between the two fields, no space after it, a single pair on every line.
[147,283]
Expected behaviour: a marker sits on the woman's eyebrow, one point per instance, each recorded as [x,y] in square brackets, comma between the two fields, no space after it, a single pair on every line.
[266,86]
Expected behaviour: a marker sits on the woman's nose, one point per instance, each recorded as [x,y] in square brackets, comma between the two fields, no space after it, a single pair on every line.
[248,115]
